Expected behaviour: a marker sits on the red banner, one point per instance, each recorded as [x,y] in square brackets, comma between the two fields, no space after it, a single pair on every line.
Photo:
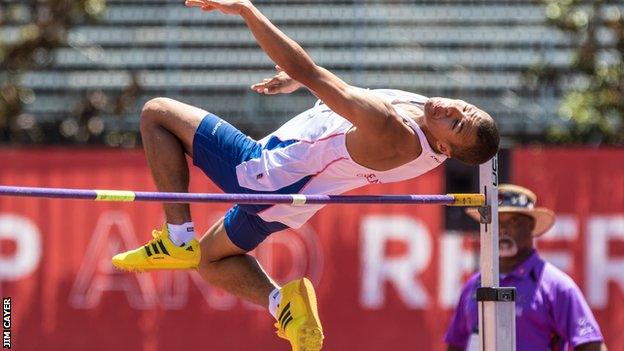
[387,276]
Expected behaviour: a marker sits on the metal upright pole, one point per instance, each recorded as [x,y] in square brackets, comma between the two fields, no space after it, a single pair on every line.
[497,322]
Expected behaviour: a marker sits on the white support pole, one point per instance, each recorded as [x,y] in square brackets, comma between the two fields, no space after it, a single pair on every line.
[497,322]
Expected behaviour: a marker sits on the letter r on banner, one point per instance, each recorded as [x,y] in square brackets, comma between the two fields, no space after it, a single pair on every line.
[402,271]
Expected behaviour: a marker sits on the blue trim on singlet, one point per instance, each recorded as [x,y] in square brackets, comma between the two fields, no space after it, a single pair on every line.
[275,143]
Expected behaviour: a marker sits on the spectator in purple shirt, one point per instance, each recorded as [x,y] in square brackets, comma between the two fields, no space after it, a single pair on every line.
[551,312]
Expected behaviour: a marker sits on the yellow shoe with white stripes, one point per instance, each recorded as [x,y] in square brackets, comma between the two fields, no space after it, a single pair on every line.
[297,316]
[159,253]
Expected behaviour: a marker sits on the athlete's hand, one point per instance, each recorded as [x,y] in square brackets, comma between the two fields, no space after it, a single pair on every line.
[281,83]
[229,7]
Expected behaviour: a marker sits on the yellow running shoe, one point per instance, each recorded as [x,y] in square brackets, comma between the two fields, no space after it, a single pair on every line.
[297,316]
[159,253]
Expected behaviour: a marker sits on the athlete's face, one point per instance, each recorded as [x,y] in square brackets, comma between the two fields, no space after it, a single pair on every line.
[452,123]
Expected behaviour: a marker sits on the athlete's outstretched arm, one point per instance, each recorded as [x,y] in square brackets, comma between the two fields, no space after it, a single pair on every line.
[364,109]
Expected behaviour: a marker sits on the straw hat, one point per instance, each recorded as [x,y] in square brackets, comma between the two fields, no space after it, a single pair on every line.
[516,199]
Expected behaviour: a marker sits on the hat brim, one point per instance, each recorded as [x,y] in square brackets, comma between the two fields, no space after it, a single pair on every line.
[544,218]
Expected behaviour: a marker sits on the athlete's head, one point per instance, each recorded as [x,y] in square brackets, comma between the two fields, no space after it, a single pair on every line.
[461,130]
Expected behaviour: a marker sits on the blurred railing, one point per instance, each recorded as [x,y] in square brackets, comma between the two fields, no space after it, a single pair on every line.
[475,50]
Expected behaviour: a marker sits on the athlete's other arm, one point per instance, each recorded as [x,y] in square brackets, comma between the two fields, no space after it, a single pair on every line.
[368,112]
[280,83]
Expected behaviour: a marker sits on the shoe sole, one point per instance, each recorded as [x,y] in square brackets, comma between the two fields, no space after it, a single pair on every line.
[311,333]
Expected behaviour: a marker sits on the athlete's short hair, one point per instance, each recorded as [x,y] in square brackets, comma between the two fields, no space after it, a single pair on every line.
[485,147]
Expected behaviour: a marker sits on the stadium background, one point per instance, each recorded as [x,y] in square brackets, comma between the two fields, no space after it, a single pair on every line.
[76,73]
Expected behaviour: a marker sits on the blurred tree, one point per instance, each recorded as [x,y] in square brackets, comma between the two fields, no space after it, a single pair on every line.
[592,107]
[40,27]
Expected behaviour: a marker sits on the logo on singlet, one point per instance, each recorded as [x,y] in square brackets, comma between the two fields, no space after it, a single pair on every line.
[371,178]
[435,158]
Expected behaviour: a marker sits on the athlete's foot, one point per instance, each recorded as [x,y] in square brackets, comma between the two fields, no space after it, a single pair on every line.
[297,316]
[159,253]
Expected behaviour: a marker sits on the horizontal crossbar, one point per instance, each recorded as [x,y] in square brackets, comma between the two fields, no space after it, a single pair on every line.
[292,199]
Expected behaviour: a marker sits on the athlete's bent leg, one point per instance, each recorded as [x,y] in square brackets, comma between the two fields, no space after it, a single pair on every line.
[226,266]
[229,267]
[167,131]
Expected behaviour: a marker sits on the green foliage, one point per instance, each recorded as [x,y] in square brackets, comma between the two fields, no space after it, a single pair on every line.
[592,107]
[42,26]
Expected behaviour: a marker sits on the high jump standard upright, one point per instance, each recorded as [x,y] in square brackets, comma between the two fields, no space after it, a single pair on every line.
[497,307]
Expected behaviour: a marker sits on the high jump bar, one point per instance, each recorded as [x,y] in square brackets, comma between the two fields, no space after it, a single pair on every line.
[466,200]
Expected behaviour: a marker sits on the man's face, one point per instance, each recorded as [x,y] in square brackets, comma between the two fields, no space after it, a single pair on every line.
[515,233]
[452,123]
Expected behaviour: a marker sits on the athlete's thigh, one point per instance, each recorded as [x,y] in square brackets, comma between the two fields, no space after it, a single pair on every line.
[179,118]
[216,244]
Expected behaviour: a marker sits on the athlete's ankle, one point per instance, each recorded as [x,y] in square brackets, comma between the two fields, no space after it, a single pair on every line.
[274,300]
[181,234]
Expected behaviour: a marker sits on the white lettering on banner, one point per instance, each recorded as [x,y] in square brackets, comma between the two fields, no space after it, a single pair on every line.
[601,269]
[455,262]
[402,272]
[27,238]
[113,233]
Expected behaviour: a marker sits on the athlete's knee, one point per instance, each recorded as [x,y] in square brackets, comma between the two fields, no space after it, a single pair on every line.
[155,110]
[209,268]
[210,257]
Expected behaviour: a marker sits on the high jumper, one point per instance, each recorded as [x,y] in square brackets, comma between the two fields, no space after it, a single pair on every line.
[351,137]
